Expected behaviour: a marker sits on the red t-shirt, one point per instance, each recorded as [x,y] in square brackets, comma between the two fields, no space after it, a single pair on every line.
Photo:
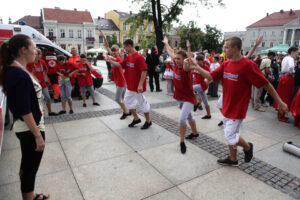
[183,82]
[237,78]
[199,80]
[51,62]
[86,79]
[66,69]
[134,65]
[38,69]
[74,59]
[117,74]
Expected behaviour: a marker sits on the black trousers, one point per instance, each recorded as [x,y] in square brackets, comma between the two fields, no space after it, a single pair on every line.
[156,77]
[53,78]
[30,160]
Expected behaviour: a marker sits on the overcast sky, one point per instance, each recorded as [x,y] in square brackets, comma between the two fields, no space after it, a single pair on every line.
[236,15]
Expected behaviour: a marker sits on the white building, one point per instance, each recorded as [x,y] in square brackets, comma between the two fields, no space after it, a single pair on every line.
[69,28]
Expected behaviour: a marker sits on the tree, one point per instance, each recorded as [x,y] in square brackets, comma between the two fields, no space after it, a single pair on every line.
[213,40]
[163,15]
[192,33]
[147,41]
[113,40]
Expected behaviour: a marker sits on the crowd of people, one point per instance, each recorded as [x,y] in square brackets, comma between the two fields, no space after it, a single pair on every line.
[27,72]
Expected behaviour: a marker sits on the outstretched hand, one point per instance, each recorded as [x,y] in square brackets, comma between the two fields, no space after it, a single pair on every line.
[188,44]
[101,33]
[283,108]
[165,40]
[259,40]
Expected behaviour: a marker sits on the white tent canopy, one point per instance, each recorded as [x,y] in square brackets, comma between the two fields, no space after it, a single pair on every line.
[99,50]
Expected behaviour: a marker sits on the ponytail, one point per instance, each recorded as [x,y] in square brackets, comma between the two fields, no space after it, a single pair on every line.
[9,51]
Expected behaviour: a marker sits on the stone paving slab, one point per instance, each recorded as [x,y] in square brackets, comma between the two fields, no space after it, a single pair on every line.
[229,184]
[73,129]
[143,139]
[177,167]
[125,177]
[49,164]
[114,122]
[93,148]
[60,185]
[171,194]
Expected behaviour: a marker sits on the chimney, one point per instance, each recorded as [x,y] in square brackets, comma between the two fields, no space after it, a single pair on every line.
[291,11]
[99,17]
[75,9]
[267,14]
[281,11]
[130,13]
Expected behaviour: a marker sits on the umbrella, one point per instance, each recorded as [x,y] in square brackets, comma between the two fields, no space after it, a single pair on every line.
[276,48]
[99,50]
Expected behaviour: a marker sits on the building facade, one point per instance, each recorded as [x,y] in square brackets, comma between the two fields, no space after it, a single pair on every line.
[108,27]
[119,18]
[69,28]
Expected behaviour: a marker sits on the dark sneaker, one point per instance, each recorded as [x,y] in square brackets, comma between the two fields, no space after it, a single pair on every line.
[200,107]
[56,100]
[220,124]
[125,115]
[206,117]
[249,153]
[96,104]
[52,114]
[228,162]
[195,107]
[160,90]
[191,136]
[71,112]
[134,122]
[182,147]
[84,105]
[146,125]
[62,112]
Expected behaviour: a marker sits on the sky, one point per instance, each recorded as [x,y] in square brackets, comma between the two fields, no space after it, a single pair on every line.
[236,15]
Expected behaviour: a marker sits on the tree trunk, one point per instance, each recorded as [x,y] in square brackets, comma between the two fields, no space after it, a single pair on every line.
[157,20]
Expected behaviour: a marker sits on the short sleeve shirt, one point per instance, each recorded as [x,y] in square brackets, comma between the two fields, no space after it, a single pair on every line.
[288,65]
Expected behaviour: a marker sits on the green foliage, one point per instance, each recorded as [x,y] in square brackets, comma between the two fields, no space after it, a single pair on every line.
[213,39]
[192,33]
[113,40]
[147,41]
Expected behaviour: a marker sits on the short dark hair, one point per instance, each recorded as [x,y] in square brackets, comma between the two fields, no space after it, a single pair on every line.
[61,58]
[82,56]
[291,49]
[271,53]
[217,58]
[182,53]
[137,48]
[235,41]
[128,42]
[200,57]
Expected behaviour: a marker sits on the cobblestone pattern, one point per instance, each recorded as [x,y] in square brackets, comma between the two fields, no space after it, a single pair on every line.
[275,177]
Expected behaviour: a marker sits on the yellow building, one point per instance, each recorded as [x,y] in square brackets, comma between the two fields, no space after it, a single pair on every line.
[119,19]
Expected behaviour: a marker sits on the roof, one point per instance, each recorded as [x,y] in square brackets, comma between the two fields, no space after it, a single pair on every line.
[123,14]
[277,19]
[105,24]
[33,21]
[67,16]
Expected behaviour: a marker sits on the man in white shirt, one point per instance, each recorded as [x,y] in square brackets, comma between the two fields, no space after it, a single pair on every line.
[286,82]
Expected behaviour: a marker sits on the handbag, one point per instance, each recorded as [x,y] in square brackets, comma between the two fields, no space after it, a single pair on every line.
[157,68]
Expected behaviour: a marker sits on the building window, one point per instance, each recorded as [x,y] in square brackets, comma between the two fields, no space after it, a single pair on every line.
[253,34]
[273,33]
[108,37]
[263,44]
[124,27]
[124,38]
[79,33]
[141,28]
[62,33]
[265,34]
[71,35]
[50,32]
[89,33]
[63,46]
[149,28]
[100,39]
[282,33]
[271,44]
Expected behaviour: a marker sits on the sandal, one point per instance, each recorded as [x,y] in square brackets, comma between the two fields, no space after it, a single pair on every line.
[44,197]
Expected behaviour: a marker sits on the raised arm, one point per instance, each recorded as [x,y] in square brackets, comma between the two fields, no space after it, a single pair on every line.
[169,49]
[190,53]
[105,41]
[257,43]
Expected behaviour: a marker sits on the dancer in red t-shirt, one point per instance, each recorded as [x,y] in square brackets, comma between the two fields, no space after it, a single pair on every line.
[237,75]
[39,70]
[184,94]
[117,75]
[135,75]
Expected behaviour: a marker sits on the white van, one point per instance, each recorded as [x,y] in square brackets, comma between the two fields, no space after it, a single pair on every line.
[9,30]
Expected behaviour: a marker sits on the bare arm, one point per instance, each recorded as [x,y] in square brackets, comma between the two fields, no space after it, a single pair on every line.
[115,63]
[190,53]
[202,71]
[168,48]
[105,41]
[143,77]
[281,105]
[29,120]
[257,43]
